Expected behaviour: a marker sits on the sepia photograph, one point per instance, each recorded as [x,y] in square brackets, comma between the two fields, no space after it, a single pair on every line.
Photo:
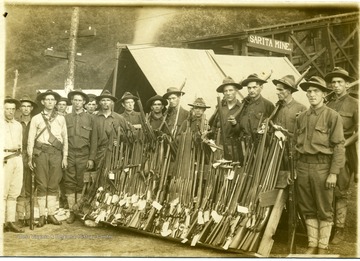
[185,129]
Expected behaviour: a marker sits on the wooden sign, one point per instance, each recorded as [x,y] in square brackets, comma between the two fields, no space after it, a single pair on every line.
[270,44]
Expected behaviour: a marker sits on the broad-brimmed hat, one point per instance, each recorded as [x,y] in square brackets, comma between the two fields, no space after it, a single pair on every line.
[150,102]
[41,95]
[228,81]
[288,81]
[315,81]
[128,95]
[339,72]
[252,78]
[78,92]
[26,98]
[172,90]
[9,99]
[105,94]
[199,102]
[65,100]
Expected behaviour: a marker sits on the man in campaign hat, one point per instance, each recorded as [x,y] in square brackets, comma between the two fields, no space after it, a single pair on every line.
[196,119]
[157,106]
[23,201]
[79,126]
[320,156]
[62,105]
[173,95]
[128,103]
[12,162]
[47,154]
[348,108]
[289,108]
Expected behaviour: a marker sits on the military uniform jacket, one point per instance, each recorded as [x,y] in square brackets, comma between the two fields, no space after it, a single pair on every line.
[286,116]
[171,117]
[80,126]
[154,121]
[133,117]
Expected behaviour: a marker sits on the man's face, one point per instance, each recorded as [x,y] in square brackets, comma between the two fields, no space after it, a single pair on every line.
[49,102]
[106,103]
[78,102]
[26,108]
[9,110]
[229,93]
[281,92]
[198,112]
[315,96]
[174,100]
[339,85]
[157,106]
[91,106]
[61,106]
[254,89]
[128,105]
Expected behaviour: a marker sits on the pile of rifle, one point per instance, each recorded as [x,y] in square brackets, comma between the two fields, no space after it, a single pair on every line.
[194,195]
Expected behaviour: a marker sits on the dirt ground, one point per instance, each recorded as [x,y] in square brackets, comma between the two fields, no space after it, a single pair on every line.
[79,240]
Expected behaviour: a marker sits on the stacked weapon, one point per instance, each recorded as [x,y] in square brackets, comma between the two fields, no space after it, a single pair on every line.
[32,200]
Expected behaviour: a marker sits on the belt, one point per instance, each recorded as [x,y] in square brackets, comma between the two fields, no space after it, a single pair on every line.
[315,158]
[13,150]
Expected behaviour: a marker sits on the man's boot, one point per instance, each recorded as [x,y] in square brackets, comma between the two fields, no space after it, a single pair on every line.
[71,201]
[324,236]
[52,206]
[312,227]
[42,205]
[340,215]
[14,228]
[10,217]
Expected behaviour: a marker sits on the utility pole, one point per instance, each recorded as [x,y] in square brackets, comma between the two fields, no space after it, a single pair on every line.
[15,83]
[69,82]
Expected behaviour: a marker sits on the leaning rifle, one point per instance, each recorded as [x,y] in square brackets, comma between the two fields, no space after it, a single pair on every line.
[32,200]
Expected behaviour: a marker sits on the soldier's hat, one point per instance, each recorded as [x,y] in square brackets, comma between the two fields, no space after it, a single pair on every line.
[228,81]
[26,98]
[172,90]
[65,100]
[78,92]
[42,95]
[315,81]
[199,102]
[339,72]
[288,81]
[150,102]
[252,78]
[105,94]
[128,95]
[9,99]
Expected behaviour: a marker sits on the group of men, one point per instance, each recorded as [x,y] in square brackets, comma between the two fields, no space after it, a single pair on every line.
[60,147]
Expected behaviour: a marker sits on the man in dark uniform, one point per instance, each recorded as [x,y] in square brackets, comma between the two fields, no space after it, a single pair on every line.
[23,201]
[348,108]
[320,156]
[79,127]
[91,105]
[128,102]
[173,95]
[47,152]
[157,106]
[289,107]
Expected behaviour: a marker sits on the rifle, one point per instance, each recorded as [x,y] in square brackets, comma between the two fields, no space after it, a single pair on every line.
[32,200]
[292,202]
[222,124]
[144,122]
[174,130]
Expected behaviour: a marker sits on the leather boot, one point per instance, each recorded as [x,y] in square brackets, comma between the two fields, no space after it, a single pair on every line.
[51,219]
[5,228]
[71,218]
[311,251]
[323,251]
[312,227]
[41,222]
[339,236]
[13,228]
[21,223]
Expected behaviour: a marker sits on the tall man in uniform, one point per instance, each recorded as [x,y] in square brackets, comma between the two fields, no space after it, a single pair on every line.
[48,152]
[320,156]
[173,95]
[12,162]
[348,108]
[79,127]
[156,105]
[23,201]
[128,102]
[289,107]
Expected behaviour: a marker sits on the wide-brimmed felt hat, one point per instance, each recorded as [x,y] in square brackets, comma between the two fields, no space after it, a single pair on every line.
[252,78]
[228,81]
[65,100]
[105,94]
[172,90]
[288,81]
[128,95]
[26,98]
[150,102]
[339,72]
[41,95]
[315,81]
[78,92]
[199,102]
[9,99]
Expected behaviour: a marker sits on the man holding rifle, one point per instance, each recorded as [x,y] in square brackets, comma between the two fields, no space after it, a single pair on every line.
[47,152]
[320,156]
[348,108]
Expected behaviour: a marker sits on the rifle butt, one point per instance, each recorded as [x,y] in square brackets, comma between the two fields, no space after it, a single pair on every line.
[240,233]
